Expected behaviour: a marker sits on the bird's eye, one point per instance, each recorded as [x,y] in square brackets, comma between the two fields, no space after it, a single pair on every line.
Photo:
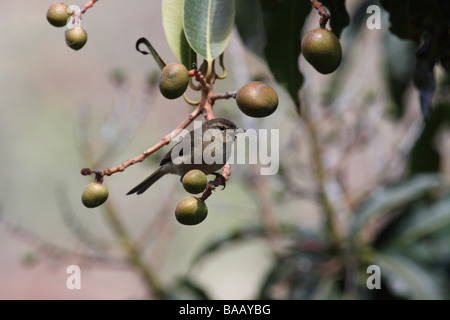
[222,128]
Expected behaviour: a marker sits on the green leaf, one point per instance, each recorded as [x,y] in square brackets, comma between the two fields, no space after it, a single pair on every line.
[339,15]
[252,34]
[187,289]
[283,21]
[207,25]
[385,200]
[407,278]
[423,222]
[406,17]
[425,156]
[172,18]
[400,57]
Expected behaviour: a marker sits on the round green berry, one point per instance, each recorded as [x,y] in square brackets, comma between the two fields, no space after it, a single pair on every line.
[257,99]
[194,181]
[57,14]
[191,211]
[322,49]
[76,37]
[174,80]
[94,195]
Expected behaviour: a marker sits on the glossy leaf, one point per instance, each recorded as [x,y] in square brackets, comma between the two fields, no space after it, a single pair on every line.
[207,25]
[384,201]
[252,34]
[283,21]
[172,18]
[339,15]
[406,277]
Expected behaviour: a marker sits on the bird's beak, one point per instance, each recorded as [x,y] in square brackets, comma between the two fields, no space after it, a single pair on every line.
[239,130]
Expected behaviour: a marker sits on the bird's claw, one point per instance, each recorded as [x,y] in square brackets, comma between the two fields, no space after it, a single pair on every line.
[219,181]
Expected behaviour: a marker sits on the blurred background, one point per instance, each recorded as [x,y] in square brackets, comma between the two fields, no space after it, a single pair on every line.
[62,110]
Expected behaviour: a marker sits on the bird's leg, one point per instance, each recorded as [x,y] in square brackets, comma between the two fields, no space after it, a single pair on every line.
[219,181]
[212,185]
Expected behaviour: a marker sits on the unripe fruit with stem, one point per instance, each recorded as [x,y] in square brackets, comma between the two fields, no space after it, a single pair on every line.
[94,195]
[57,14]
[191,211]
[194,181]
[257,99]
[76,37]
[322,49]
[174,80]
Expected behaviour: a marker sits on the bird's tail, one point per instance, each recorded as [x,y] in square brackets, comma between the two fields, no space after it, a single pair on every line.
[144,185]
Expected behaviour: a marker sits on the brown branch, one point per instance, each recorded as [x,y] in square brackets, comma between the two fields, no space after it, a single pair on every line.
[226,95]
[166,140]
[205,107]
[323,12]
[88,5]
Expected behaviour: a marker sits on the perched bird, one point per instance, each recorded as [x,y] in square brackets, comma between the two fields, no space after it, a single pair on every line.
[218,134]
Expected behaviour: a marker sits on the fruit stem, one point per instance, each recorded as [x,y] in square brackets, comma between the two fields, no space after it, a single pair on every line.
[323,12]
[226,95]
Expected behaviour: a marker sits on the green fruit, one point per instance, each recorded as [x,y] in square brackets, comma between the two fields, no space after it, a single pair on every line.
[174,80]
[194,181]
[76,38]
[322,49]
[257,99]
[191,211]
[94,195]
[57,14]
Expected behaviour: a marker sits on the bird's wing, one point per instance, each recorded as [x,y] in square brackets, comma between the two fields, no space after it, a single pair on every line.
[168,157]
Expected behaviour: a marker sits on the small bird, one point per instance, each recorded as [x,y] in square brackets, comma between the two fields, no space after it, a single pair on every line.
[226,132]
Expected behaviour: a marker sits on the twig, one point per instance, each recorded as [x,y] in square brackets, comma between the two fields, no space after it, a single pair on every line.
[204,107]
[166,140]
[323,12]
[88,5]
[226,95]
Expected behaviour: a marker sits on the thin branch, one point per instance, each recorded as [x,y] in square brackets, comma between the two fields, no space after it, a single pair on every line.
[204,107]
[88,5]
[164,141]
[226,95]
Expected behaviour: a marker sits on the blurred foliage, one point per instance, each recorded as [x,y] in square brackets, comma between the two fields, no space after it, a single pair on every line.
[402,226]
[427,24]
